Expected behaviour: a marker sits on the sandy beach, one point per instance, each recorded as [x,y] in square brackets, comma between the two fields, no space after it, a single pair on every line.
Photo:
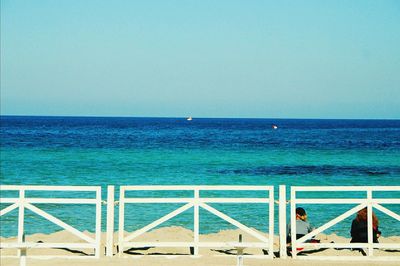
[181,256]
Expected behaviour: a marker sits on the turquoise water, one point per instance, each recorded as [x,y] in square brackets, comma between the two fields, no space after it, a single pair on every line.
[157,151]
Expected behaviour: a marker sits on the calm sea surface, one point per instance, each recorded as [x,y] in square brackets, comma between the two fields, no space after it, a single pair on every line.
[169,151]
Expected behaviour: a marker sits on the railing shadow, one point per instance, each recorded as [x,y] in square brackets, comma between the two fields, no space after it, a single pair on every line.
[229,251]
[134,251]
[71,250]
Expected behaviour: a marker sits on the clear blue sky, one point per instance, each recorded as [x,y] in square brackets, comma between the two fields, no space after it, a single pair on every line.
[278,59]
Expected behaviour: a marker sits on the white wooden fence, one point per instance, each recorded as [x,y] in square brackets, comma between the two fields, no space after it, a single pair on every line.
[23,202]
[197,202]
[368,202]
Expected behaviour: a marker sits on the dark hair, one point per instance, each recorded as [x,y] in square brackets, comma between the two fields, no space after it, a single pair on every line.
[300,211]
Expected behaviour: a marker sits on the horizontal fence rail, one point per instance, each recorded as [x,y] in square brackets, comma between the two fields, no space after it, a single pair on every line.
[22,202]
[196,202]
[368,201]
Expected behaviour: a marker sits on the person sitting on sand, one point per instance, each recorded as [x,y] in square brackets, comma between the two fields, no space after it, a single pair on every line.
[302,226]
[359,228]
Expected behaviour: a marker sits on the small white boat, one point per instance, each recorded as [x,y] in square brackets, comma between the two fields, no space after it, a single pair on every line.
[189,118]
[274,127]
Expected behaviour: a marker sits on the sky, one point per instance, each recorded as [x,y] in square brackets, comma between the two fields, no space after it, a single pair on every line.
[253,59]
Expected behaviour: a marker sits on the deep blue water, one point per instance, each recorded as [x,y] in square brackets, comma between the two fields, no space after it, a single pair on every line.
[135,151]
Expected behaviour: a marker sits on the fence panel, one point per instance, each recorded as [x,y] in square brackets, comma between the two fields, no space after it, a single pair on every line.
[22,202]
[368,202]
[196,202]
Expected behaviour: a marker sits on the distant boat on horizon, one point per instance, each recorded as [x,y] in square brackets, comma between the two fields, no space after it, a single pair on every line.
[189,118]
[274,127]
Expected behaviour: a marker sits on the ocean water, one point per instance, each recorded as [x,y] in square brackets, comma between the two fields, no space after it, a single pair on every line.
[174,151]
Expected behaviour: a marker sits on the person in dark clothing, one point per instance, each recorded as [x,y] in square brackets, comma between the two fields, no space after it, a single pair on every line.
[359,228]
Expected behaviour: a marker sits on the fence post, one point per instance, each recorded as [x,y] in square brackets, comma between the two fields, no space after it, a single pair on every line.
[369,222]
[282,222]
[98,222]
[21,218]
[196,221]
[271,223]
[121,221]
[110,221]
[293,221]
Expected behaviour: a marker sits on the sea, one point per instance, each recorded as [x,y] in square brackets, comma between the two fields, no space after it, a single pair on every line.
[102,151]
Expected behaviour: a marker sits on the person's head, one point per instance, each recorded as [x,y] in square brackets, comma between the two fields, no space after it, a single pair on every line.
[301,214]
[362,215]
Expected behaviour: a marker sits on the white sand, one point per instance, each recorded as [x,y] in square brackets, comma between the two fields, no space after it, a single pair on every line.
[181,256]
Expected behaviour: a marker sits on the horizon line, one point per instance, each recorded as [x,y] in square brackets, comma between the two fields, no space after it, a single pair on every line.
[168,117]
